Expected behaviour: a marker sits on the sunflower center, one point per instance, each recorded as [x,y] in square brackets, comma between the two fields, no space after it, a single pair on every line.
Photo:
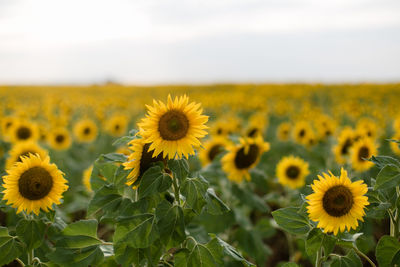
[345,148]
[302,133]
[23,133]
[86,131]
[292,172]
[253,132]
[116,127]
[337,201]
[60,138]
[8,125]
[173,125]
[219,131]
[35,183]
[147,159]
[243,160]
[363,153]
[214,151]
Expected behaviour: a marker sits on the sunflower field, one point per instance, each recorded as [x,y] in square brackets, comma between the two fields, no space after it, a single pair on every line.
[214,175]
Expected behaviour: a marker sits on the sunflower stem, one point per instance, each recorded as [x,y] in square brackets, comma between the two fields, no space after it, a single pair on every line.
[30,257]
[318,259]
[290,245]
[20,262]
[176,189]
[364,256]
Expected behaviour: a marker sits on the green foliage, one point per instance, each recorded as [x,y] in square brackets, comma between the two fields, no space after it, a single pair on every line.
[388,251]
[10,248]
[290,220]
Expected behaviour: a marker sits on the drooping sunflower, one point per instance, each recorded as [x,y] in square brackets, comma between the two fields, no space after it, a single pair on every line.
[23,149]
[395,146]
[22,131]
[243,157]
[173,128]
[212,148]
[292,172]
[59,139]
[87,173]
[337,203]
[283,131]
[85,131]
[34,184]
[140,160]
[117,125]
[362,150]
[342,149]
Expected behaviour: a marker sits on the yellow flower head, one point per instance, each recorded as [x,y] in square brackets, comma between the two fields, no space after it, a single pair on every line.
[212,148]
[23,149]
[362,150]
[59,139]
[85,131]
[292,172]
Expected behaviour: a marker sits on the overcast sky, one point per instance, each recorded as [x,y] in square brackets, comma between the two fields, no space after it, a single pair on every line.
[204,41]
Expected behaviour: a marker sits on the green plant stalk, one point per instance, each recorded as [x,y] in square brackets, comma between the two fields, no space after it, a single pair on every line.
[394,224]
[30,257]
[290,245]
[318,259]
[176,189]
[364,256]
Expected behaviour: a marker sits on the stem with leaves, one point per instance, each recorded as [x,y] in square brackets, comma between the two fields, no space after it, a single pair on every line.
[364,256]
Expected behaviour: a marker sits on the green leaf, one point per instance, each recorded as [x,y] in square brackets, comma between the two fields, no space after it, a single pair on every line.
[350,260]
[170,222]
[388,177]
[80,234]
[249,198]
[92,256]
[251,243]
[115,157]
[291,221]
[382,161]
[316,239]
[106,199]
[194,189]
[289,264]
[126,255]
[181,257]
[139,231]
[180,168]
[123,141]
[153,180]
[31,232]
[9,247]
[386,250]
[201,256]
[215,205]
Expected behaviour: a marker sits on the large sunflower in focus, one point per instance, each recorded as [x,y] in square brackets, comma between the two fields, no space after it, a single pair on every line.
[85,131]
[59,139]
[241,158]
[292,171]
[361,151]
[173,128]
[34,184]
[139,160]
[212,148]
[22,131]
[337,203]
[23,149]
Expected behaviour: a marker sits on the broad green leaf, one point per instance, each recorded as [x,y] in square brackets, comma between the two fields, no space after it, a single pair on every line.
[249,198]
[126,255]
[92,256]
[106,199]
[386,250]
[80,234]
[201,256]
[316,239]
[115,157]
[170,222]
[214,204]
[179,167]
[9,247]
[31,232]
[139,231]
[382,161]
[251,243]
[194,189]
[153,181]
[388,177]
[181,257]
[350,260]
[228,250]
[289,220]
[123,141]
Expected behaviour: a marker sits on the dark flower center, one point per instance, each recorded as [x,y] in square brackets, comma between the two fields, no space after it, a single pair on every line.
[253,132]
[60,138]
[147,159]
[363,153]
[345,147]
[302,133]
[243,160]
[337,201]
[173,125]
[35,183]
[116,127]
[292,172]
[24,133]
[86,131]
[214,151]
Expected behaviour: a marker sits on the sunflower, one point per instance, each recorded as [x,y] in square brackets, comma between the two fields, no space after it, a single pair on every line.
[325,126]
[283,131]
[395,146]
[174,128]
[22,131]
[139,160]
[34,184]
[86,178]
[342,149]
[6,125]
[23,149]
[396,124]
[117,125]
[301,132]
[211,149]
[241,158]
[257,125]
[59,139]
[337,203]
[362,150]
[292,171]
[366,127]
[85,131]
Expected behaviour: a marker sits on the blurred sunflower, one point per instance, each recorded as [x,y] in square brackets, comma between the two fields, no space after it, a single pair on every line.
[243,157]
[59,139]
[22,131]
[6,125]
[34,184]
[283,131]
[23,149]
[301,132]
[212,148]
[85,131]
[117,125]
[325,126]
[257,125]
[366,127]
[395,146]
[342,149]
[139,161]
[87,173]
[362,150]
[292,172]
[337,203]
[173,128]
